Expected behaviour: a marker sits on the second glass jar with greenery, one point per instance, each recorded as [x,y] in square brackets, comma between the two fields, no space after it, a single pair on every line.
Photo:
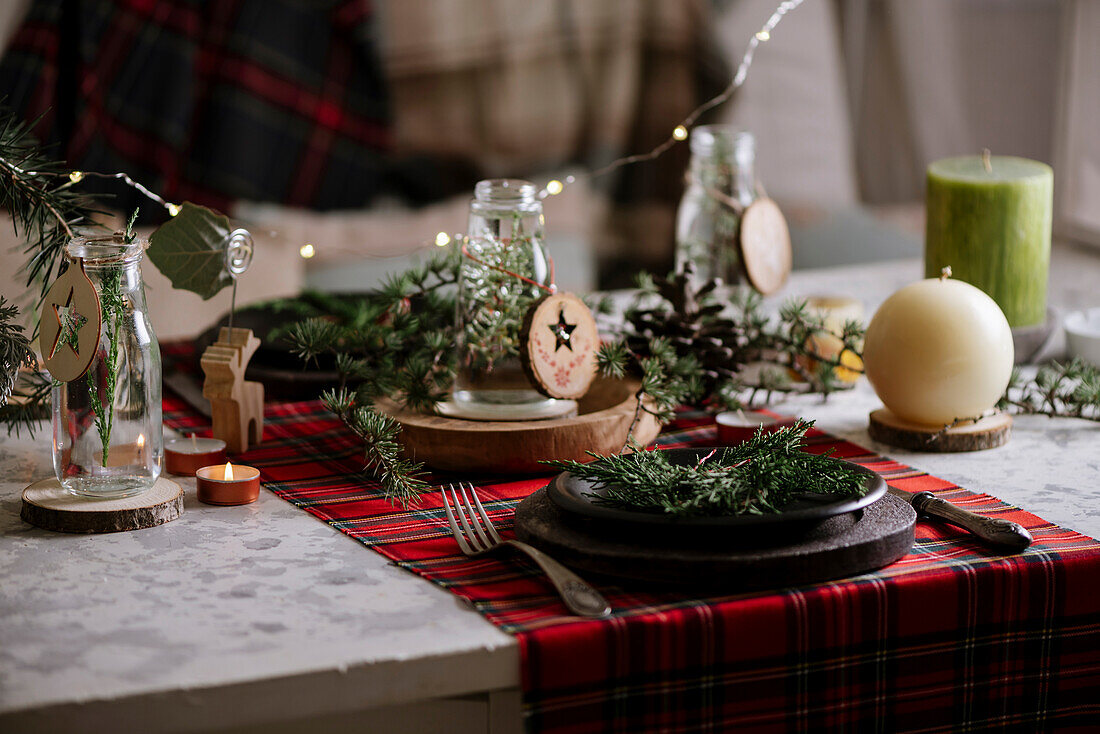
[503,271]
[720,184]
[107,422]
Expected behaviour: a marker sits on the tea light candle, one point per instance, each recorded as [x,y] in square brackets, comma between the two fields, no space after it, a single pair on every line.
[228,484]
[185,456]
[736,426]
[937,350]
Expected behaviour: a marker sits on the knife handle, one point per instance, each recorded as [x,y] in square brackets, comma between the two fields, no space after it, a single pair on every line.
[990,529]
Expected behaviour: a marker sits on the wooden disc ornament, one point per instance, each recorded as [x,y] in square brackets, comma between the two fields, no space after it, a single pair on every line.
[68,333]
[765,245]
[558,346]
[50,506]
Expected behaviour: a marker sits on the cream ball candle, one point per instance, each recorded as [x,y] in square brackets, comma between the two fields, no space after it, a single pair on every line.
[938,350]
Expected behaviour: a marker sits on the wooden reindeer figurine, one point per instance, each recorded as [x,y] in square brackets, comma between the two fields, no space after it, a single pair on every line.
[237,405]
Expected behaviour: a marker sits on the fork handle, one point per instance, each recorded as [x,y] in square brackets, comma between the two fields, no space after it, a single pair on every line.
[581,598]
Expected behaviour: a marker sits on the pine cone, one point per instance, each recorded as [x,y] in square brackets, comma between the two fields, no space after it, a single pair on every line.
[690,321]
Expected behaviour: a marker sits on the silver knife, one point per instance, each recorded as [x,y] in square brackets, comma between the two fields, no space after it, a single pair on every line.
[990,529]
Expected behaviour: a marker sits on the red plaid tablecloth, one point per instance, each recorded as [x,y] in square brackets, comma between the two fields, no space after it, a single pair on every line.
[951,637]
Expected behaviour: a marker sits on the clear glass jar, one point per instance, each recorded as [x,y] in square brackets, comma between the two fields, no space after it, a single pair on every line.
[720,184]
[504,240]
[106,424]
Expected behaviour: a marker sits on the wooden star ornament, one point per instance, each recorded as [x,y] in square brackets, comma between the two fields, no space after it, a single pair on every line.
[68,333]
[559,340]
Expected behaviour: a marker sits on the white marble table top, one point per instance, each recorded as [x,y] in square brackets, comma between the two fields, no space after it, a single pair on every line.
[246,614]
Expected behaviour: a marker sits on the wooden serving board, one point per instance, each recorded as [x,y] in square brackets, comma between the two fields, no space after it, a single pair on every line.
[603,419]
[729,560]
[50,506]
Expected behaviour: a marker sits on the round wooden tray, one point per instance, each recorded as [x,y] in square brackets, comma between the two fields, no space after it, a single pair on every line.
[516,447]
[732,561]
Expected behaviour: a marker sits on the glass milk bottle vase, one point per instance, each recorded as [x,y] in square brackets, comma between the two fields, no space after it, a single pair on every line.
[504,270]
[106,424]
[720,184]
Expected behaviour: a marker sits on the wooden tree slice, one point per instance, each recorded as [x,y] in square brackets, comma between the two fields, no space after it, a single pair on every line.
[765,245]
[987,433]
[70,323]
[559,343]
[514,447]
[50,506]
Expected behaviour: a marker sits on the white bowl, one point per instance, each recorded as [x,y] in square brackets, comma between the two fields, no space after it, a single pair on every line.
[1083,335]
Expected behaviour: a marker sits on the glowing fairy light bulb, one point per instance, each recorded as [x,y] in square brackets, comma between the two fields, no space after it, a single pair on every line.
[306,251]
[763,35]
[173,209]
[680,132]
[554,187]
[442,239]
[76,176]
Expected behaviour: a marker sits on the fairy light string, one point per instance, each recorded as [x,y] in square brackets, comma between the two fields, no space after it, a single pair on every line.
[678,134]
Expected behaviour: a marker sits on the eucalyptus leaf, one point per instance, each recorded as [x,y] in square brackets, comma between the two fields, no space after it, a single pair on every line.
[190,250]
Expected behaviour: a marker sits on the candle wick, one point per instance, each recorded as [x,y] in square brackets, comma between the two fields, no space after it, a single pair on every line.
[945,273]
[194,442]
[987,160]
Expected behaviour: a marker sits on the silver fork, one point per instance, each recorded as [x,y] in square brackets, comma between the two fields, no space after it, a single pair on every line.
[481,537]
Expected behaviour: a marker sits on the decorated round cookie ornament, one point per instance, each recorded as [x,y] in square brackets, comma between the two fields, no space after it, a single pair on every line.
[558,347]
[68,333]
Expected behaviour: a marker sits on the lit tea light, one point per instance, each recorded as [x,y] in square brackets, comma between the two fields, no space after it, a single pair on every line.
[185,456]
[226,484]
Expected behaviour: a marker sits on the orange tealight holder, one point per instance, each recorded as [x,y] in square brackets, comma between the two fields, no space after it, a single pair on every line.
[185,456]
[228,484]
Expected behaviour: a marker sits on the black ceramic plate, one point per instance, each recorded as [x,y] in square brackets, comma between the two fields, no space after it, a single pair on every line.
[568,493]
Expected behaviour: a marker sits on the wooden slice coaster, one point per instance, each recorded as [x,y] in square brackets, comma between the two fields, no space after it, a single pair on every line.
[726,560]
[50,506]
[987,433]
[765,246]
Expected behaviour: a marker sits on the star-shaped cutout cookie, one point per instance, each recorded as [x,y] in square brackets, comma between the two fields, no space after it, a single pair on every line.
[69,322]
[563,332]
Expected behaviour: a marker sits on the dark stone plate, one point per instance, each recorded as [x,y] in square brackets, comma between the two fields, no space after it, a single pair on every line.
[568,493]
[736,560]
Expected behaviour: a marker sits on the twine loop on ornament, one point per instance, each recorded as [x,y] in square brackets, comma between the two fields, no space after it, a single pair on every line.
[552,288]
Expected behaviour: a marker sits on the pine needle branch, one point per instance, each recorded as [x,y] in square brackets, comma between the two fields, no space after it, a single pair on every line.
[761,476]
[399,478]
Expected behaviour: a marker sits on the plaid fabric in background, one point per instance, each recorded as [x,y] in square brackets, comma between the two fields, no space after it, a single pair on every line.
[208,100]
[952,637]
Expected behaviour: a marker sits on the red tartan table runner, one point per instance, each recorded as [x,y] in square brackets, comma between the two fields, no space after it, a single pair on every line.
[951,637]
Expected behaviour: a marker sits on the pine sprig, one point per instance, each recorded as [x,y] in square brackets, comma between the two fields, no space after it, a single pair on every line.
[38,193]
[762,475]
[398,477]
[1058,390]
[24,394]
[113,306]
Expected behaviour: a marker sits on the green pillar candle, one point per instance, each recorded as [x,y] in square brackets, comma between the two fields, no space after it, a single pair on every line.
[990,221]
